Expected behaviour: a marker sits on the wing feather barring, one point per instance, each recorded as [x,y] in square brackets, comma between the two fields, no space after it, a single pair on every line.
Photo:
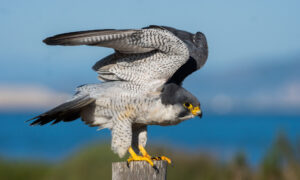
[141,84]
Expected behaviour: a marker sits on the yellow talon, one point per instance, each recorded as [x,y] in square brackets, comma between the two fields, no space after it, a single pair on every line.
[164,158]
[135,157]
[145,154]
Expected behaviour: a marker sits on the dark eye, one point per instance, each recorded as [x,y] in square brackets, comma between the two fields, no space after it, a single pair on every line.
[187,105]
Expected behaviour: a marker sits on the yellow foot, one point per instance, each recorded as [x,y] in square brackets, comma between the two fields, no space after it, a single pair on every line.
[135,157]
[164,158]
[145,154]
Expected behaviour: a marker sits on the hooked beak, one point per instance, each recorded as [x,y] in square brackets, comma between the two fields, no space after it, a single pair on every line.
[196,111]
[200,114]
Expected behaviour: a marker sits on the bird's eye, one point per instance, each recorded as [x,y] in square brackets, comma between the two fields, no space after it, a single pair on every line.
[187,105]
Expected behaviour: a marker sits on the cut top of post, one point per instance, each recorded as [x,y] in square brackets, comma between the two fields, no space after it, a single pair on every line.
[139,170]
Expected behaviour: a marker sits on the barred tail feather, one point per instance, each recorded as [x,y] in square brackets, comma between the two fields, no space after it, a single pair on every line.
[68,111]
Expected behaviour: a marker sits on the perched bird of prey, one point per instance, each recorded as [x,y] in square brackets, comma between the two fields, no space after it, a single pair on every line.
[142,84]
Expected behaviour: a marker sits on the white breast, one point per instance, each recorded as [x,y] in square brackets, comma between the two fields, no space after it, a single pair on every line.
[160,114]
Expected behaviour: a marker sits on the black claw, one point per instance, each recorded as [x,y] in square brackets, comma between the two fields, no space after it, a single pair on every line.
[156,169]
[128,164]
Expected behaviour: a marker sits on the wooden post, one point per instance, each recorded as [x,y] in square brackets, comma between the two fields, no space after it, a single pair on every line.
[139,170]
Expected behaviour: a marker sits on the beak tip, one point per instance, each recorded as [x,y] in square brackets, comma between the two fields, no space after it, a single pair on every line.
[200,115]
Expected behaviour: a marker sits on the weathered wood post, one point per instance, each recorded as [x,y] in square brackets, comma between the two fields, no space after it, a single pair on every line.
[139,170]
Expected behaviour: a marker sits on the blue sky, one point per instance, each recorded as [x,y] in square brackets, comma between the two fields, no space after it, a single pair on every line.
[247,39]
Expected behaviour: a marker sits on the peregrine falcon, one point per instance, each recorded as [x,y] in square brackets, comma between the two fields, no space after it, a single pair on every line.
[142,84]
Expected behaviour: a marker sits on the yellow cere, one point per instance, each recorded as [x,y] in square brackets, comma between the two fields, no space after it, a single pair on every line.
[195,111]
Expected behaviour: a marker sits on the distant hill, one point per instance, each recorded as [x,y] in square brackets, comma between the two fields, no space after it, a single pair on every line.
[94,162]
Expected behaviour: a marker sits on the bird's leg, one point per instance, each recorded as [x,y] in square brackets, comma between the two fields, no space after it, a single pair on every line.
[135,157]
[145,154]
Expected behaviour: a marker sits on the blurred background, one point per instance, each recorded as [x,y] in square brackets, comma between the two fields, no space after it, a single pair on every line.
[249,89]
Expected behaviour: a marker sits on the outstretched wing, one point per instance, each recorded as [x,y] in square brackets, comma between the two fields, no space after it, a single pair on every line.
[126,41]
[129,41]
[196,43]
[198,50]
[142,55]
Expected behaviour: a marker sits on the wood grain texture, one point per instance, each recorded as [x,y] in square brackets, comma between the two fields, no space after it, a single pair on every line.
[139,170]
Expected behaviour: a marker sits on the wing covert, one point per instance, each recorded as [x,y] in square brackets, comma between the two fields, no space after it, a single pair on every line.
[198,50]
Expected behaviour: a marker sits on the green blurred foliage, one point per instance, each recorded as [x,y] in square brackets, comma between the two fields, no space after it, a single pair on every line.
[16,170]
[281,162]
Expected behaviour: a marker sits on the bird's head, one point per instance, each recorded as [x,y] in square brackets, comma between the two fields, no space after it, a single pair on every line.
[173,94]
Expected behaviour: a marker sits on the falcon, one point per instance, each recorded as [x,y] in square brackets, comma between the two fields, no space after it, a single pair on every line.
[141,84]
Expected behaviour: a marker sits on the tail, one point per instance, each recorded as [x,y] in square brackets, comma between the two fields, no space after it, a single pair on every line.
[68,111]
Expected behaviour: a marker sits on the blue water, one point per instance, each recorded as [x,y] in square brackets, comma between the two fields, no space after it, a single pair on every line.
[222,136]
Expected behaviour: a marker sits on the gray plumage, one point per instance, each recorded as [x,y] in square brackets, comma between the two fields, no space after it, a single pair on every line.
[142,81]
[124,110]
[153,54]
[196,44]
